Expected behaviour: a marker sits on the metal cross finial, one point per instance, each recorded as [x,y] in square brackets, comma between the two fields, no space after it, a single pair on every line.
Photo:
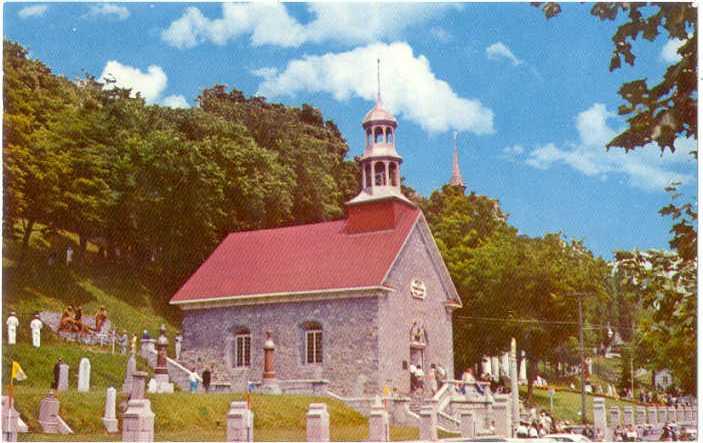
[378,79]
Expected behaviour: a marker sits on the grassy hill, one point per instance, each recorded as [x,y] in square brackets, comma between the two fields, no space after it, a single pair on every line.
[132,303]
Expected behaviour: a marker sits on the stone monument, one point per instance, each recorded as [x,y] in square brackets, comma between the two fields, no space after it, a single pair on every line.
[138,421]
[84,375]
[269,383]
[110,418]
[379,423]
[63,378]
[318,423]
[49,419]
[161,370]
[138,382]
[131,369]
[502,414]
[240,422]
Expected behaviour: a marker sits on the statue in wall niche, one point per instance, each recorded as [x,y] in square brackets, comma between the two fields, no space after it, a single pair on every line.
[417,333]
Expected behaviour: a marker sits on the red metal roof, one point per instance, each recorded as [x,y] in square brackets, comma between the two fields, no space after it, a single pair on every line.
[306,258]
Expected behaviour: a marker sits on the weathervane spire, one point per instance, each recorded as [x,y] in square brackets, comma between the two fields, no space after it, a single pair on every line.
[456,179]
[378,80]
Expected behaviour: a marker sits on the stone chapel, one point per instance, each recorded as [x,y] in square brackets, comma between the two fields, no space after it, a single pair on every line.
[354,301]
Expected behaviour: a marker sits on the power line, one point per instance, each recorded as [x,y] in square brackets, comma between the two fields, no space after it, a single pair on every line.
[527,320]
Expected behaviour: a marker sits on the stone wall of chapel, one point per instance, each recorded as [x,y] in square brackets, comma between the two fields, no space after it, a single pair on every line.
[350,340]
[398,310]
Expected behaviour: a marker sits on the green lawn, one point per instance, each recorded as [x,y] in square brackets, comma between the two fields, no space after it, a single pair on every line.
[186,417]
[567,404]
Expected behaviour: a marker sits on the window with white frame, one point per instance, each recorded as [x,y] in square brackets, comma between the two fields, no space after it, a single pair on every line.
[242,350]
[313,346]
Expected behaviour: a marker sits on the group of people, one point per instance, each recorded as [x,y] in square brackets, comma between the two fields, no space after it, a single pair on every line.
[72,320]
[540,426]
[430,382]
[13,324]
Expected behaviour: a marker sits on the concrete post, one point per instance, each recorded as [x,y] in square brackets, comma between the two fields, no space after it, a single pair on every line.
[671,414]
[627,418]
[502,416]
[661,415]
[9,420]
[651,415]
[600,425]
[428,422]
[240,422]
[110,418]
[138,422]
[514,393]
[379,424]
[318,423]
[640,415]
[614,417]
[680,415]
[467,425]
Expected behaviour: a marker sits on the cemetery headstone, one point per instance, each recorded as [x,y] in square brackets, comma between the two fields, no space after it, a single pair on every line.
[110,417]
[84,375]
[318,423]
[63,378]
[240,422]
[49,419]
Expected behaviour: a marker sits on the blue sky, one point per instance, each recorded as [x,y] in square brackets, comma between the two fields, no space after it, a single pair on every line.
[533,100]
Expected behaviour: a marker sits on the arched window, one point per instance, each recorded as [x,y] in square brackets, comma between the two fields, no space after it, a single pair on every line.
[242,348]
[368,136]
[389,136]
[380,174]
[313,343]
[368,175]
[378,135]
[393,172]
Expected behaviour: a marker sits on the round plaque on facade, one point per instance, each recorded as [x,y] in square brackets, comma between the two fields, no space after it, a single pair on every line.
[417,288]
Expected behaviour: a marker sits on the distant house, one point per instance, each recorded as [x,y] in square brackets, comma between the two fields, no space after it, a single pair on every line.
[663,379]
[354,301]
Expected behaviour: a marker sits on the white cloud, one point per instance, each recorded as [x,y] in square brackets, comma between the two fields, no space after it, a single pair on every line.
[440,34]
[149,84]
[409,87]
[511,152]
[175,101]
[270,24]
[32,11]
[108,10]
[498,51]
[645,168]
[668,53]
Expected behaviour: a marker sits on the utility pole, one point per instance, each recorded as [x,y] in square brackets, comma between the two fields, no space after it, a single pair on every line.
[580,295]
[583,363]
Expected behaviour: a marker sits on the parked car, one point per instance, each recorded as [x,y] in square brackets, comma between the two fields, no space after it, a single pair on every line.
[576,438]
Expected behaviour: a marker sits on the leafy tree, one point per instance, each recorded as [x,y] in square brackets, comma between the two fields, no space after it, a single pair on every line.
[662,112]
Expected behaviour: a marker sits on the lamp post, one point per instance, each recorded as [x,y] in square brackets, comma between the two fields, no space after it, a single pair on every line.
[579,296]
